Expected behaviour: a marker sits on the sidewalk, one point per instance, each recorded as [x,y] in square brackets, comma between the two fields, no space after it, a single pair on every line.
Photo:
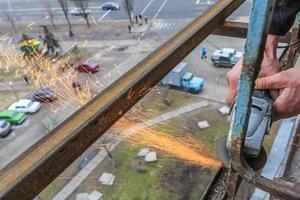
[17,85]
[84,173]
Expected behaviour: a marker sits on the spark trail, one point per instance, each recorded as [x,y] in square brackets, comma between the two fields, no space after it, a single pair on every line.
[181,148]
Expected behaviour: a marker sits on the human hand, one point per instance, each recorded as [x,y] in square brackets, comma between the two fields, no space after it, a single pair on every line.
[270,65]
[287,104]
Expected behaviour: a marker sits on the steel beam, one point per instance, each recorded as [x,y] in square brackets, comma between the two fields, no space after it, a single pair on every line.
[30,173]
[232,29]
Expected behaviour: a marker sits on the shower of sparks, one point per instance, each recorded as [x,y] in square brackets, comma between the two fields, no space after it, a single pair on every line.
[59,76]
[46,72]
[185,149]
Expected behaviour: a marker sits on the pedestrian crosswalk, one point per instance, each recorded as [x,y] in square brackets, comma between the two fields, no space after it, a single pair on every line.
[168,25]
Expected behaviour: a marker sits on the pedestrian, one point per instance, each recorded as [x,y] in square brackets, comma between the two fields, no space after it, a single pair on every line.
[203,52]
[129,28]
[140,17]
[25,78]
[76,86]
[136,19]
[146,20]
[209,4]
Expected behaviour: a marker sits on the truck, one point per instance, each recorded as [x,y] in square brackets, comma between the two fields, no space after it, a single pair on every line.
[179,77]
[226,57]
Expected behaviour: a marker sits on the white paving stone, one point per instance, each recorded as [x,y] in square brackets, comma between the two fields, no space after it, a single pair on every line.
[224,110]
[151,157]
[107,179]
[95,195]
[203,124]
[143,152]
[82,196]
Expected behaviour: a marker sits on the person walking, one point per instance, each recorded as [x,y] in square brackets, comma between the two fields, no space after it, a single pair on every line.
[25,78]
[146,20]
[203,52]
[129,29]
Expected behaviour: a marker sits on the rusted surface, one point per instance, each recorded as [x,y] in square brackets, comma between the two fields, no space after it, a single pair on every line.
[258,28]
[42,163]
[232,29]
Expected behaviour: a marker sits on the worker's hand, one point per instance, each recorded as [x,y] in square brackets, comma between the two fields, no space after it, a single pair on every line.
[270,65]
[287,104]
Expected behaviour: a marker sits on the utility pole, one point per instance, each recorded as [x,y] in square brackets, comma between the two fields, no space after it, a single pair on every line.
[128,6]
[11,10]
[13,90]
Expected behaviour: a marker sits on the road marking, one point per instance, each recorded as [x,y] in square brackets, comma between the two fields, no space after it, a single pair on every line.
[197,2]
[160,8]
[104,15]
[146,7]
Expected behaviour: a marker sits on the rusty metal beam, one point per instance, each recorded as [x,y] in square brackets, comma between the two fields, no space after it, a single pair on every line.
[239,30]
[34,170]
[232,29]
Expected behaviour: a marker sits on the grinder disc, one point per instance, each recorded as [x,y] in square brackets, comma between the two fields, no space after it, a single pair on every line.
[256,163]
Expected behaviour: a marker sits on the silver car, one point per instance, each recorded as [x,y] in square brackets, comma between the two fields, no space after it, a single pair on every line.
[5,128]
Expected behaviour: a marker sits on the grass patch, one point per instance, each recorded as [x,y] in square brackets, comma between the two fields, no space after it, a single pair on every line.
[152,105]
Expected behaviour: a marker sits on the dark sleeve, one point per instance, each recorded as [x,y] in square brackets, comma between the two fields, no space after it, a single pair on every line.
[284,16]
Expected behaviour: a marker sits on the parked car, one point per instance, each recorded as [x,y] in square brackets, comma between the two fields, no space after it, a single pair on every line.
[226,57]
[44,95]
[5,128]
[26,106]
[89,65]
[79,11]
[181,78]
[12,116]
[111,6]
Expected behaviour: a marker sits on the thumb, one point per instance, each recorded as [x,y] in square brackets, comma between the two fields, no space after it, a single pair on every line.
[276,81]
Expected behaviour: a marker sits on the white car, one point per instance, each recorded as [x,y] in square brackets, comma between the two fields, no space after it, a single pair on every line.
[26,106]
[226,57]
[79,11]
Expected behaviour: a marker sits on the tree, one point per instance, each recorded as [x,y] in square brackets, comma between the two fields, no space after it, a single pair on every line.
[64,6]
[10,15]
[83,5]
[49,11]
[128,6]
[11,19]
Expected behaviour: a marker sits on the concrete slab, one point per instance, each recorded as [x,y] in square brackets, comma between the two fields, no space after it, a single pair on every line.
[224,110]
[151,157]
[143,152]
[82,196]
[95,195]
[107,179]
[203,124]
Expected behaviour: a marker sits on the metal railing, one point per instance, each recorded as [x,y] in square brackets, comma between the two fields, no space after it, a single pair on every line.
[36,168]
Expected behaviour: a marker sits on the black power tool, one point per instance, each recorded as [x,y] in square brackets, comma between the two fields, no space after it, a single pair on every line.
[260,121]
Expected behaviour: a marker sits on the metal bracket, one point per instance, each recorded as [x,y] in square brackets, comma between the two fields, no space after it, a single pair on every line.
[262,12]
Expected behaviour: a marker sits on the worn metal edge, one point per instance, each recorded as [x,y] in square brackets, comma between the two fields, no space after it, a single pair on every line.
[43,162]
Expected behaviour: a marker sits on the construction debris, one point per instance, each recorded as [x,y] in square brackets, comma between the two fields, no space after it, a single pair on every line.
[151,157]
[143,152]
[203,124]
[82,196]
[224,110]
[107,179]
[95,195]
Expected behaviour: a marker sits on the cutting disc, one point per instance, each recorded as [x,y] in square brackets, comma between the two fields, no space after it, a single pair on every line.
[256,163]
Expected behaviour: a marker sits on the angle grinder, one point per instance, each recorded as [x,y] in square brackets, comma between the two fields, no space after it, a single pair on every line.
[260,122]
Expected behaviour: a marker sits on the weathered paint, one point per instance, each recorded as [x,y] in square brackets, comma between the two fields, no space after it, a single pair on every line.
[261,16]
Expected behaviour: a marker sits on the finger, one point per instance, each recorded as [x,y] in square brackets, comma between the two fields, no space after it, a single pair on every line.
[276,81]
[282,105]
[231,96]
[274,93]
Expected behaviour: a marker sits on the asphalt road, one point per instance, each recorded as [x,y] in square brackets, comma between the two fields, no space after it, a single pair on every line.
[36,10]
[168,15]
